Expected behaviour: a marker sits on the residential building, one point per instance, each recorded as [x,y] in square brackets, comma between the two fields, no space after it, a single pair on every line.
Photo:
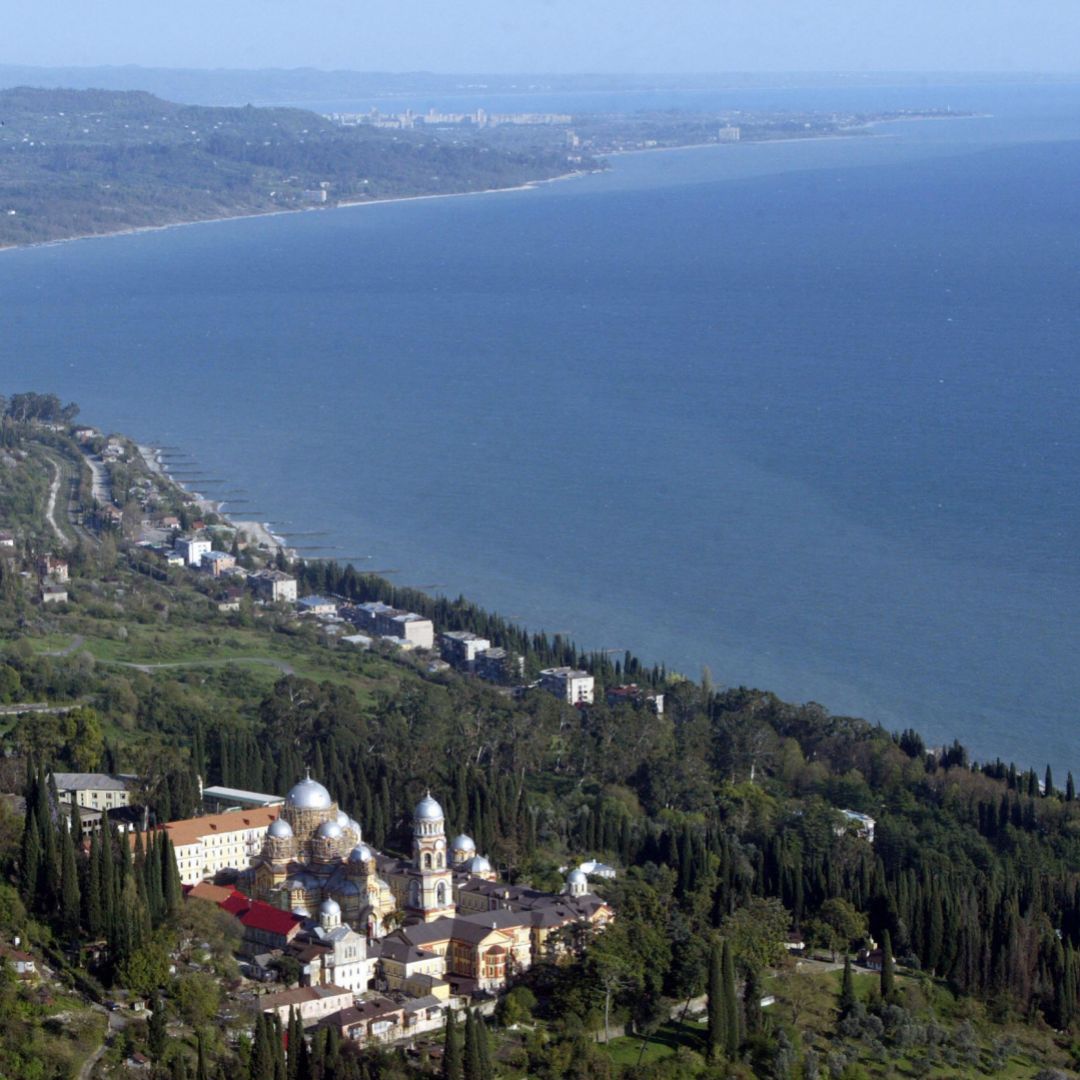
[273,586]
[317,605]
[51,567]
[415,631]
[96,791]
[53,594]
[573,686]
[217,562]
[192,549]
[462,647]
[7,540]
[632,694]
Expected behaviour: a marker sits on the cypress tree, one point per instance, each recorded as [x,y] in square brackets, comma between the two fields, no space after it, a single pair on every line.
[487,1068]
[472,1050]
[92,899]
[69,886]
[179,1067]
[30,860]
[453,1068]
[888,977]
[847,988]
[752,1002]
[296,1038]
[262,1055]
[717,1037]
[156,1036]
[201,1072]
[731,1005]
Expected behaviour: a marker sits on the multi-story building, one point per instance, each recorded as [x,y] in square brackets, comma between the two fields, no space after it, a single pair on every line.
[390,622]
[312,1003]
[273,586]
[573,686]
[206,846]
[462,648]
[218,562]
[192,549]
[96,791]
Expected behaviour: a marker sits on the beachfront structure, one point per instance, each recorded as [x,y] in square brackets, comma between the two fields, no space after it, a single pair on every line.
[407,627]
[273,586]
[218,799]
[462,648]
[573,686]
[96,791]
[192,549]
[208,846]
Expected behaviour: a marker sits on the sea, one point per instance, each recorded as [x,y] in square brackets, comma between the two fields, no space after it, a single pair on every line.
[804,413]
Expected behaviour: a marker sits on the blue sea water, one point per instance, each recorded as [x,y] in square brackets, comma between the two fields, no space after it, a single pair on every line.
[802,412]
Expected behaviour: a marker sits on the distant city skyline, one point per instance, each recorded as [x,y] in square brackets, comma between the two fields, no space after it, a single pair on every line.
[556,36]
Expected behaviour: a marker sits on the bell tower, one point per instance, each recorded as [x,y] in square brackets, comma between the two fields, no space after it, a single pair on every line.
[431,888]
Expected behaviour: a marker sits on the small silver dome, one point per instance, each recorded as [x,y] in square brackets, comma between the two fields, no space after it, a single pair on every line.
[343,819]
[280,829]
[328,830]
[355,826]
[427,809]
[577,877]
[329,907]
[478,865]
[462,843]
[360,854]
[309,795]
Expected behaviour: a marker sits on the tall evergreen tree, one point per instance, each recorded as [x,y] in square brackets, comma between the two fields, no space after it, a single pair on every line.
[472,1066]
[453,1066]
[92,901]
[717,1036]
[156,1034]
[201,1070]
[888,973]
[752,1002]
[847,988]
[70,909]
[732,1034]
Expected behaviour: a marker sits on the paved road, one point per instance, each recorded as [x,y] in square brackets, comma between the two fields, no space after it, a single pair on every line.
[115,1022]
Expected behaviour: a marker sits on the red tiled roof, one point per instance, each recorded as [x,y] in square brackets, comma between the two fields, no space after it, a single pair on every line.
[262,916]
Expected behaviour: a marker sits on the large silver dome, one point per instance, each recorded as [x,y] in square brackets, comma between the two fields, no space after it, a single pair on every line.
[427,809]
[280,829]
[309,795]
[462,843]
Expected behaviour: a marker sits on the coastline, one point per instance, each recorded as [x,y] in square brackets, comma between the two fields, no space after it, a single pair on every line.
[135,230]
[259,532]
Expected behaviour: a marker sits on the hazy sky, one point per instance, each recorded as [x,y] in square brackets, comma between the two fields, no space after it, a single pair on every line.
[549,35]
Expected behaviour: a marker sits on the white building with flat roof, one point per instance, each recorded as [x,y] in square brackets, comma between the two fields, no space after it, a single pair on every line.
[218,799]
[95,791]
[193,549]
[573,686]
[462,648]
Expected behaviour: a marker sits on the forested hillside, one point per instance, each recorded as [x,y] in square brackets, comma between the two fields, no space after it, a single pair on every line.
[77,162]
[722,817]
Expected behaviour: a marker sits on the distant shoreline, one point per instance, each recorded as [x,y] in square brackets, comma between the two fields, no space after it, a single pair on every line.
[137,229]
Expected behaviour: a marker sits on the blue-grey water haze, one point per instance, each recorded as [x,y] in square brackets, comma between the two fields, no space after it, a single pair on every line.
[804,412]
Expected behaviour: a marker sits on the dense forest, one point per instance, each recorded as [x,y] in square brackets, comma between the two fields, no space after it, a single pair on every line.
[77,162]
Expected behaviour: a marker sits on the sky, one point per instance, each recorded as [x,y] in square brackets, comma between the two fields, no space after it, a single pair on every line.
[564,36]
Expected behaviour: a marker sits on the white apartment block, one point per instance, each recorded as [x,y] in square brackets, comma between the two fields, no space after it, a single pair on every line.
[192,549]
[574,687]
[95,791]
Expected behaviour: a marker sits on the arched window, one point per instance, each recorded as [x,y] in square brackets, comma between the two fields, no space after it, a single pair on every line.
[440,894]
[427,861]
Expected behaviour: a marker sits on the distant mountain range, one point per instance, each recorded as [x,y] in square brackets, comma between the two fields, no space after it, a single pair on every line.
[298,85]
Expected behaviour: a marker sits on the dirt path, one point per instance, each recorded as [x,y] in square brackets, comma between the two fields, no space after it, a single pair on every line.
[50,509]
[285,669]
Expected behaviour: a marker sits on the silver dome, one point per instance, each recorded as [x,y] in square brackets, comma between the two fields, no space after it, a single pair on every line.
[309,795]
[329,907]
[280,829]
[462,843]
[328,830]
[343,819]
[360,854]
[427,809]
[577,877]
[478,865]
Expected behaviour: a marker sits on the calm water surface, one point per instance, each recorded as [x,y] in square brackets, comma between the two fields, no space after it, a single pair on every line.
[805,412]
